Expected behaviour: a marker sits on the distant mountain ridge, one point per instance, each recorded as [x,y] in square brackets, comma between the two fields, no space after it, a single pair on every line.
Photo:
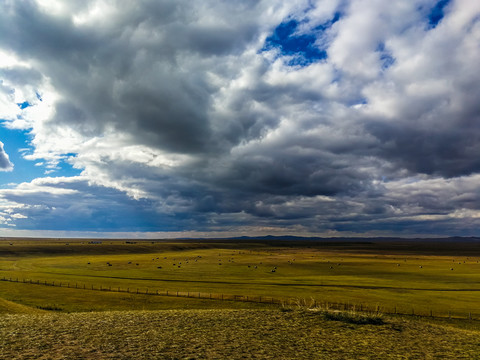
[343,239]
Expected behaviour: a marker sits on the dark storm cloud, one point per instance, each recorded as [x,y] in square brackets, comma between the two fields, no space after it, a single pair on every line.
[74,204]
[21,76]
[295,174]
[143,73]
[5,164]
[448,153]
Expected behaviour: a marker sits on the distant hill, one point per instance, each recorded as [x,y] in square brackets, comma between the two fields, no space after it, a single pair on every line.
[342,239]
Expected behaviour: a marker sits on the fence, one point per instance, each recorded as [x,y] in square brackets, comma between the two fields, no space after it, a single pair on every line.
[303,303]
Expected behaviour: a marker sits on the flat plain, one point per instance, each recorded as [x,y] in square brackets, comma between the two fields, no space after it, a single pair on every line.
[277,295]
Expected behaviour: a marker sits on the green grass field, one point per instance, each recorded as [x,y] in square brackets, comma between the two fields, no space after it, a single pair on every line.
[94,324]
[392,276]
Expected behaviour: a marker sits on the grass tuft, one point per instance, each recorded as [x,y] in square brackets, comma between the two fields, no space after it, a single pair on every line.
[347,316]
[354,317]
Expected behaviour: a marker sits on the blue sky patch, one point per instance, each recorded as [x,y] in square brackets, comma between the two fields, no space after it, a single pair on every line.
[16,143]
[437,13]
[303,46]
[65,168]
[386,57]
[24,105]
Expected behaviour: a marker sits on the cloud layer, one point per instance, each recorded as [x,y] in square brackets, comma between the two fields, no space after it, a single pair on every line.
[266,116]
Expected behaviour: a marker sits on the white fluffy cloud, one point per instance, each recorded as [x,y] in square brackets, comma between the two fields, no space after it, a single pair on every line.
[189,112]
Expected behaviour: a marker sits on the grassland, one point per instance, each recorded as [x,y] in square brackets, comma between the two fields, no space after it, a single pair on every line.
[404,276]
[390,275]
[226,334]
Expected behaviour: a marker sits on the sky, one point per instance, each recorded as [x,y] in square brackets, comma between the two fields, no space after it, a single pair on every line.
[180,118]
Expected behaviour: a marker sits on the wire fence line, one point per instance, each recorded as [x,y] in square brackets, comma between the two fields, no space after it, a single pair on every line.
[285,302]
